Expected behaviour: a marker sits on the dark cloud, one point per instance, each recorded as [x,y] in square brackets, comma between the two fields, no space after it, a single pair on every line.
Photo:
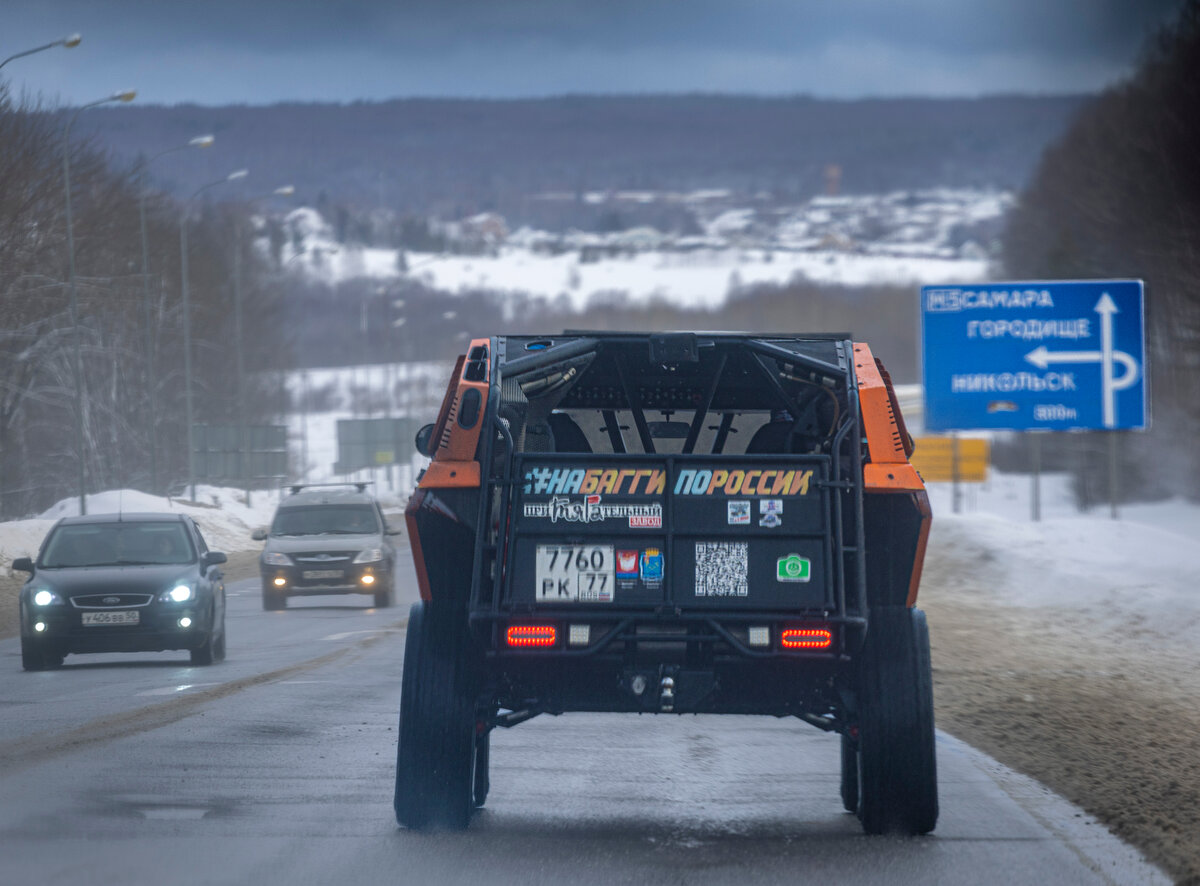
[369,48]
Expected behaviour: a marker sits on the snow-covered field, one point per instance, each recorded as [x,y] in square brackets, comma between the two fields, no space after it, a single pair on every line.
[702,279]
[889,239]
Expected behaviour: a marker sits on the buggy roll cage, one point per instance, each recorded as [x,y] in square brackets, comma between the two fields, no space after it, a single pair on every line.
[841,487]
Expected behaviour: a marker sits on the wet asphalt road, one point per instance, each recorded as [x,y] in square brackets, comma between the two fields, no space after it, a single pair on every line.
[276,767]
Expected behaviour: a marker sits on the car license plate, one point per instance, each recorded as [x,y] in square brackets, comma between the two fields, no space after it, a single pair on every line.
[124,617]
[322,573]
[575,573]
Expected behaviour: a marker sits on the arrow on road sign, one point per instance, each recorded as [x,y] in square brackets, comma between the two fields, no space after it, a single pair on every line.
[1041,357]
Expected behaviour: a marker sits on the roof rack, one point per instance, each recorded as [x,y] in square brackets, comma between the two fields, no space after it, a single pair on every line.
[359,485]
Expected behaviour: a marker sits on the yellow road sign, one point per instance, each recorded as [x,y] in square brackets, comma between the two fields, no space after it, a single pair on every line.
[934,458]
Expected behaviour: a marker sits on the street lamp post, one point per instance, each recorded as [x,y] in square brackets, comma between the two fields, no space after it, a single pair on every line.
[187,322]
[317,251]
[239,382]
[68,42]
[126,96]
[200,141]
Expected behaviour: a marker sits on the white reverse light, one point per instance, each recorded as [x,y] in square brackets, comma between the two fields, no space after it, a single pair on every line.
[760,636]
[579,635]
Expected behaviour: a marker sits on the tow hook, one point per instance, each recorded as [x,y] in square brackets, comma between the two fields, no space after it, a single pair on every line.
[666,695]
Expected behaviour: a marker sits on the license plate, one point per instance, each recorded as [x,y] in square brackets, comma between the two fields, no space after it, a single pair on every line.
[575,573]
[124,617]
[323,573]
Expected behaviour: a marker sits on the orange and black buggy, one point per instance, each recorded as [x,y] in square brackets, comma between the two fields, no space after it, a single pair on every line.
[669,523]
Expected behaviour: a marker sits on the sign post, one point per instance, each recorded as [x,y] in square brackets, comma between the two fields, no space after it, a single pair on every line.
[1035,356]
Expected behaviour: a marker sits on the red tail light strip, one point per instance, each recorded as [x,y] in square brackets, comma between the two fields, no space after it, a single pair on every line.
[807,638]
[532,635]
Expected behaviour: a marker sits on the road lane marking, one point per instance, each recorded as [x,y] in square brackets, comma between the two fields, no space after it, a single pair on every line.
[345,634]
[172,690]
[41,746]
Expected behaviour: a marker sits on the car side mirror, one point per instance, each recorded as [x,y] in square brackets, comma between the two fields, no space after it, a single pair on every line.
[24,564]
[393,530]
[259,535]
[213,558]
[423,438]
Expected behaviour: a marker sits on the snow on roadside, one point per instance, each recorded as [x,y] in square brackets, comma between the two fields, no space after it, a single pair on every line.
[221,513]
[1136,573]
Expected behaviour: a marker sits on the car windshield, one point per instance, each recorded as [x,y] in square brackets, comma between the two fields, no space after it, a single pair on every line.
[326,520]
[117,544]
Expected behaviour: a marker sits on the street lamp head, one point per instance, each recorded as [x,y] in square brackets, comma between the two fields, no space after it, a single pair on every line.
[127,96]
[72,40]
[202,141]
[234,176]
[285,191]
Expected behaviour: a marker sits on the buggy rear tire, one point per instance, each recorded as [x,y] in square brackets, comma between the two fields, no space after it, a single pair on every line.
[849,774]
[436,753]
[897,765]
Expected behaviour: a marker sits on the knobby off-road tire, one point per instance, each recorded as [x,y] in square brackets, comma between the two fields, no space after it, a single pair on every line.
[436,753]
[849,774]
[897,768]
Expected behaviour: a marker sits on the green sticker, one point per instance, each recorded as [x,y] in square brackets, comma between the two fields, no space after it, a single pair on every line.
[793,567]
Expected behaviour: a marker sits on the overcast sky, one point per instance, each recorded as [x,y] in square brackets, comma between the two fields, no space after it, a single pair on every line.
[262,51]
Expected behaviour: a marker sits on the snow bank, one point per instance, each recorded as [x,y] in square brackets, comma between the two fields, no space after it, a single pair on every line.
[221,513]
[1133,574]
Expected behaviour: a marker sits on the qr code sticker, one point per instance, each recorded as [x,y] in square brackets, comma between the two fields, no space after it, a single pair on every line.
[722,569]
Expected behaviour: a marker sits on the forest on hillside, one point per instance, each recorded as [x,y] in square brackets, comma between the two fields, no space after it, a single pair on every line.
[454,158]
[1118,195]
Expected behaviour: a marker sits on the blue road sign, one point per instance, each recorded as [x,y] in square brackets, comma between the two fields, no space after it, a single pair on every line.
[1049,355]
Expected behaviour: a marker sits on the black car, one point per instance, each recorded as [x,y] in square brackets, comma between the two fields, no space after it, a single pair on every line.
[122,583]
[327,539]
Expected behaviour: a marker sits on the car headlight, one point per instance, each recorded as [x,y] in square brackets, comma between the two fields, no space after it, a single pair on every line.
[370,555]
[45,597]
[273,559]
[181,593]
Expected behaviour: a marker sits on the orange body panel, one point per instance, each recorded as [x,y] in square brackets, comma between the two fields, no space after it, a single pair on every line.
[885,439]
[888,446]
[454,465]
[914,584]
[410,520]
[891,478]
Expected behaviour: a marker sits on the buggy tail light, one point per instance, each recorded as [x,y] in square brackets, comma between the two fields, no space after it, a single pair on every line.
[532,635]
[807,638]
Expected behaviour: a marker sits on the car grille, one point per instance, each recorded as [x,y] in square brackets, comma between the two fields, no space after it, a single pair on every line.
[325,558]
[111,601]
